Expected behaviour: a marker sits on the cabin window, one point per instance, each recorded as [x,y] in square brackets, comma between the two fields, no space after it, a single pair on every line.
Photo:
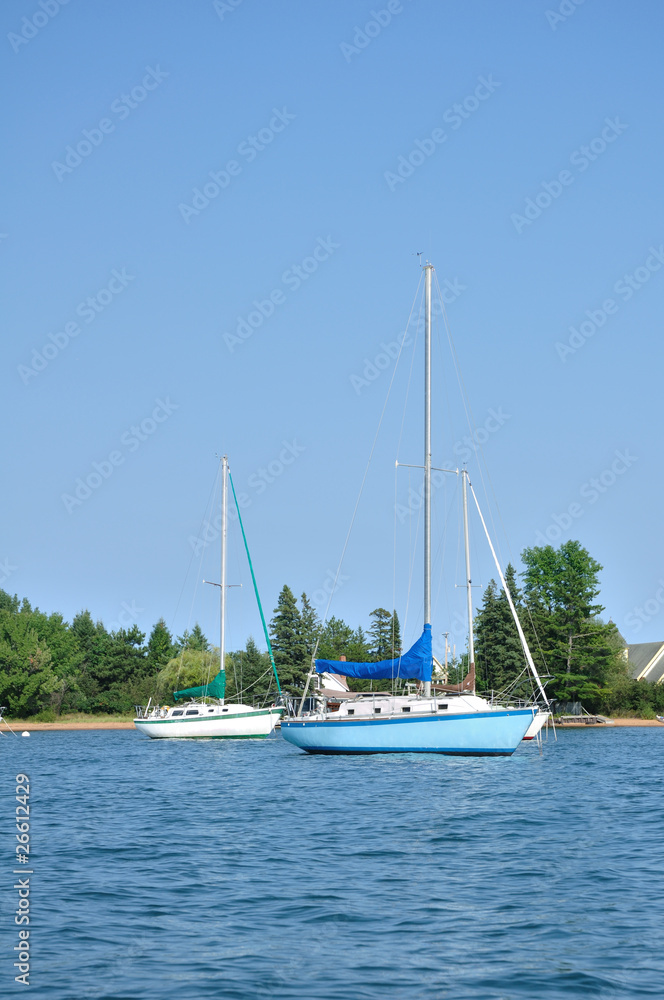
[351,711]
[177,713]
[224,710]
[442,707]
[406,709]
[376,711]
[210,710]
[191,711]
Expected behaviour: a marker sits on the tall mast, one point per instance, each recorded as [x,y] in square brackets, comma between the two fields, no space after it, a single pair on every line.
[471,639]
[224,498]
[428,268]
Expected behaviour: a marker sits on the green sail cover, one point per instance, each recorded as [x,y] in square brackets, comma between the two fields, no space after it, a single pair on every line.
[215,689]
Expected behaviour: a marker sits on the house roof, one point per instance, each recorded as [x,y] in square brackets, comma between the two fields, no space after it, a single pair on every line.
[645,661]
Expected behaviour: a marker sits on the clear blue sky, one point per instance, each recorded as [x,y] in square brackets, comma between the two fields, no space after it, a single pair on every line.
[534,197]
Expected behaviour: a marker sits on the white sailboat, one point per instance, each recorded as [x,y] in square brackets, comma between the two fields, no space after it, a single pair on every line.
[196,718]
[457,722]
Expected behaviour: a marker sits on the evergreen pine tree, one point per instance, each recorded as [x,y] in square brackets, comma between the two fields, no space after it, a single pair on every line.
[581,651]
[499,657]
[193,640]
[160,647]
[311,624]
[395,636]
[288,643]
[380,634]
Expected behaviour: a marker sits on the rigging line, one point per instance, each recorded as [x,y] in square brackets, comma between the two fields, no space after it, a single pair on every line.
[522,637]
[264,674]
[211,502]
[355,509]
[394,563]
[208,507]
[253,577]
[473,428]
[472,425]
[366,471]
[411,554]
[412,362]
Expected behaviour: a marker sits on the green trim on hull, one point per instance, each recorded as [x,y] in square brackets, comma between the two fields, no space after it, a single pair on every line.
[249,736]
[210,718]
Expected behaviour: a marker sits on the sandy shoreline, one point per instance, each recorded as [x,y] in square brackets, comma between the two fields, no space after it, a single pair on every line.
[22,726]
[612,722]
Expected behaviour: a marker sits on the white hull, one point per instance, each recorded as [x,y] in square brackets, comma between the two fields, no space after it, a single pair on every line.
[209,722]
[537,725]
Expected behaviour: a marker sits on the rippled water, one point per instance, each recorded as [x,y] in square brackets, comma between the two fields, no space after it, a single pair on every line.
[248,869]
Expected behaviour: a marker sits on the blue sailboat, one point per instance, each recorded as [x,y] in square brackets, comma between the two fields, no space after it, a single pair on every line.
[445,719]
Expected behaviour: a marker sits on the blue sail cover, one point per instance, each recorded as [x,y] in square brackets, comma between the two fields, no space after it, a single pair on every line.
[416,664]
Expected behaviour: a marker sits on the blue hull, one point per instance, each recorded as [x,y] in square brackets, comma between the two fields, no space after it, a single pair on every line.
[479,734]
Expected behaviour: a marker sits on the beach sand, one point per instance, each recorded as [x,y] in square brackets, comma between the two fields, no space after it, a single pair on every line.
[25,725]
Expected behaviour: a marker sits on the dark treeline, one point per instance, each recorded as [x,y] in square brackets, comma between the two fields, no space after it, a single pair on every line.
[582,657]
[48,666]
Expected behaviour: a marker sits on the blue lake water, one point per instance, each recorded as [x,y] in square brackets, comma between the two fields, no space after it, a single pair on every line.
[248,869]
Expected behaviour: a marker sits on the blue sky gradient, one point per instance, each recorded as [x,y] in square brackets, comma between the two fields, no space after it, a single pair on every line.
[529,138]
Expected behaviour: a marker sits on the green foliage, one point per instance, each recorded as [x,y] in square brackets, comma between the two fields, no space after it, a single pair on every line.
[190,668]
[499,657]
[27,676]
[289,643]
[249,675]
[193,640]
[582,653]
[310,625]
[380,634]
[161,648]
[48,667]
